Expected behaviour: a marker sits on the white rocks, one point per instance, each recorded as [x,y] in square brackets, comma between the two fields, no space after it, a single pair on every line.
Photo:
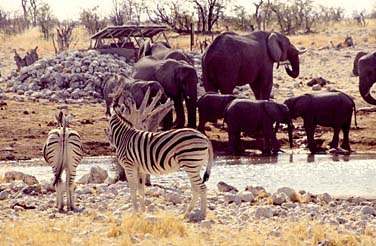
[223,187]
[263,212]
[97,175]
[232,198]
[4,195]
[246,196]
[279,198]
[368,210]
[290,193]
[325,198]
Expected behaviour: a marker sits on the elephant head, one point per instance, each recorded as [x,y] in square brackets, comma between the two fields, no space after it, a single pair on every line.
[280,49]
[180,81]
[367,77]
[281,114]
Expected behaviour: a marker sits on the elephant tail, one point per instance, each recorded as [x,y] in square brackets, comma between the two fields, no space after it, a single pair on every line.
[354,107]
[210,162]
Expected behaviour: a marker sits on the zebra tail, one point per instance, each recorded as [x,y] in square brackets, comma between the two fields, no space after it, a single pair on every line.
[210,162]
[60,162]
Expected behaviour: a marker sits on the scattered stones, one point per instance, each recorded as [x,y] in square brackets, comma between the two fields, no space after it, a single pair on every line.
[263,212]
[223,187]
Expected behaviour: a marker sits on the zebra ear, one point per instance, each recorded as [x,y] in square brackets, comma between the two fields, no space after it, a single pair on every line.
[59,119]
[68,120]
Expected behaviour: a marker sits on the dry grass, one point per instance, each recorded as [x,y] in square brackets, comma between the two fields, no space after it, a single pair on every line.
[169,229]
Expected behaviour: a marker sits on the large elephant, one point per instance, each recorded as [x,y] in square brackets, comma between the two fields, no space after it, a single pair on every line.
[358,55]
[116,85]
[245,115]
[211,107]
[234,59]
[179,81]
[329,109]
[162,50]
[367,76]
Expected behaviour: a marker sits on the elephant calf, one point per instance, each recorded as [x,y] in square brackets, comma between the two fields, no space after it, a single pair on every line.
[330,109]
[245,115]
[211,107]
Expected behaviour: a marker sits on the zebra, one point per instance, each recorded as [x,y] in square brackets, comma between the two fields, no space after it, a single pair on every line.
[63,151]
[142,152]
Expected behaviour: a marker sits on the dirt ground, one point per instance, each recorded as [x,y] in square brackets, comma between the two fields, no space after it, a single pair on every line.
[24,125]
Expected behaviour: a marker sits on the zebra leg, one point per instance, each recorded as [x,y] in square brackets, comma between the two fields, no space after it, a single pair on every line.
[59,196]
[194,179]
[203,200]
[133,184]
[69,189]
[141,190]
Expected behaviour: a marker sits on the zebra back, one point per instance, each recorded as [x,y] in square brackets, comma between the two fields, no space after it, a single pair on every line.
[160,152]
[63,150]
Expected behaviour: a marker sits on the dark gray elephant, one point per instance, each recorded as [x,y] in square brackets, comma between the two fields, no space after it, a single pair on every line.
[116,85]
[211,107]
[367,77]
[329,109]
[162,50]
[245,115]
[179,81]
[359,55]
[234,59]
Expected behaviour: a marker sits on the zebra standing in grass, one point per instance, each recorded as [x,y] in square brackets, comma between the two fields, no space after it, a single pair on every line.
[142,152]
[63,151]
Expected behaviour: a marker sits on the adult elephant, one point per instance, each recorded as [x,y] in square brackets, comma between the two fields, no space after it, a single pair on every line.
[162,50]
[179,81]
[234,59]
[367,76]
[331,109]
[250,116]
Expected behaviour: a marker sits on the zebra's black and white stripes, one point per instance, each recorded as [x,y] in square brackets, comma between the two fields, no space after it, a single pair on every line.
[63,151]
[142,152]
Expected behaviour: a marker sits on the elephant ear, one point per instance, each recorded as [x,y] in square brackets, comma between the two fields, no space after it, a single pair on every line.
[274,47]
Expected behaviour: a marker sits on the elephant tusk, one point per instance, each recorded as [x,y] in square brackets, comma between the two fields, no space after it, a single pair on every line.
[302,51]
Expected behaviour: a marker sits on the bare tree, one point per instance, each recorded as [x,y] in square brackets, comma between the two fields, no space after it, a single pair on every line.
[258,16]
[25,10]
[91,20]
[64,37]
[209,12]
[45,20]
[33,11]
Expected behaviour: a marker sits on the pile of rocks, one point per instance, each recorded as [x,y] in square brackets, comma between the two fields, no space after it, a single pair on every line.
[70,77]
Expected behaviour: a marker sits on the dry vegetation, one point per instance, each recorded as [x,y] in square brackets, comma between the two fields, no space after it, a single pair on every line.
[169,229]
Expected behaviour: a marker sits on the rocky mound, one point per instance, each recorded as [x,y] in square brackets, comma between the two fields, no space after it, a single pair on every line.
[70,77]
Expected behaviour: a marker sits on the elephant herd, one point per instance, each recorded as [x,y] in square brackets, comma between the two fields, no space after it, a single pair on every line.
[233,60]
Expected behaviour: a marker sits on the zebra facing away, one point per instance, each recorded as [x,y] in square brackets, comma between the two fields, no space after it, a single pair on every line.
[142,152]
[63,151]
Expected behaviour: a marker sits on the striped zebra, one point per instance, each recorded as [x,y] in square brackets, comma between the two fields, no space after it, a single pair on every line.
[63,151]
[142,152]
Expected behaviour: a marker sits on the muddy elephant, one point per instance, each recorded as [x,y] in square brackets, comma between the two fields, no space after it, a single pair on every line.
[233,59]
[211,107]
[330,109]
[245,115]
[359,55]
[162,50]
[179,81]
[367,76]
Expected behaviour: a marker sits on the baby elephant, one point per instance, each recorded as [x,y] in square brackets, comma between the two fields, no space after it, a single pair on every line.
[211,107]
[245,115]
[329,109]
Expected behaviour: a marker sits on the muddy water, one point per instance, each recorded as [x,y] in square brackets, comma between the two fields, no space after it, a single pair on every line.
[335,174]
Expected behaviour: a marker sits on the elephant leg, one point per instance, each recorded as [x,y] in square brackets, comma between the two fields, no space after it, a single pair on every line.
[201,125]
[167,121]
[180,117]
[335,140]
[262,87]
[234,142]
[310,131]
[346,143]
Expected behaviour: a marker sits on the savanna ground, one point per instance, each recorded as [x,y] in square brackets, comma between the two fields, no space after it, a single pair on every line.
[24,127]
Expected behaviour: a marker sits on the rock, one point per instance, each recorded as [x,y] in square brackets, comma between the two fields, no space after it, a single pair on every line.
[257,190]
[263,212]
[316,87]
[279,198]
[30,180]
[97,175]
[4,195]
[247,196]
[325,198]
[368,210]
[206,224]
[223,187]
[232,198]
[13,175]
[290,193]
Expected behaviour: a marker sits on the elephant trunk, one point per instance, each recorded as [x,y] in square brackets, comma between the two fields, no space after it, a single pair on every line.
[294,61]
[365,84]
[190,102]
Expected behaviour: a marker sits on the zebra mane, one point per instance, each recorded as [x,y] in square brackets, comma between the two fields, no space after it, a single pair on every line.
[146,117]
[63,121]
